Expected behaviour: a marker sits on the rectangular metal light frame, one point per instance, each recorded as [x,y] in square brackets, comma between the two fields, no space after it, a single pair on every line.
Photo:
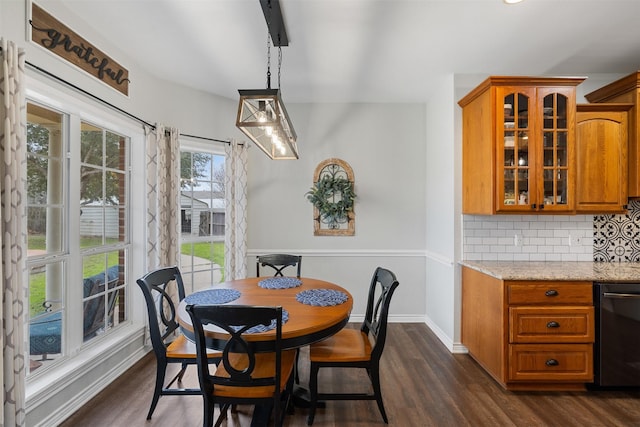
[261,112]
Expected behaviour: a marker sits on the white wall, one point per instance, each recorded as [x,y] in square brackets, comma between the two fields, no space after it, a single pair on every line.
[385,145]
[442,301]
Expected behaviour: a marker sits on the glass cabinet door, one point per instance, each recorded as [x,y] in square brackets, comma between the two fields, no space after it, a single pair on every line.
[555,160]
[516,153]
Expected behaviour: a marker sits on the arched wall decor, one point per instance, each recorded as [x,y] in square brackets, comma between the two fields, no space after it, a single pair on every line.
[333,199]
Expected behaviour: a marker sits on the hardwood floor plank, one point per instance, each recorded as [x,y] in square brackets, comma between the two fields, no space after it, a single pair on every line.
[422,385]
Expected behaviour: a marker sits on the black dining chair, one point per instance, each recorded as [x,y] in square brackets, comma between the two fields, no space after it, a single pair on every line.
[247,374]
[352,348]
[278,262]
[168,344]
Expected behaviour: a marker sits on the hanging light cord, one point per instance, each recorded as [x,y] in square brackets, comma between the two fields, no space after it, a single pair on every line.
[269,51]
[279,59]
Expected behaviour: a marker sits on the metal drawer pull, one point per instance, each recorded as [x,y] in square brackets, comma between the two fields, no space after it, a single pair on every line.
[619,295]
[551,293]
[552,362]
[553,324]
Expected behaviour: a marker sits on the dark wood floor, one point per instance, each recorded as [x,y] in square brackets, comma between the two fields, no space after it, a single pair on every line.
[422,384]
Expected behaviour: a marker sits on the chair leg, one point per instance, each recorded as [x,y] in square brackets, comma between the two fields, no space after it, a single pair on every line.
[160,372]
[313,392]
[295,367]
[181,373]
[223,414]
[374,374]
[209,407]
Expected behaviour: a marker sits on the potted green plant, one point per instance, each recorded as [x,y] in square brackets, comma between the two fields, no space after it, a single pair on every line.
[334,197]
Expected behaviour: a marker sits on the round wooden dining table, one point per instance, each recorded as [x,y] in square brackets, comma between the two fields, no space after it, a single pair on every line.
[306,322]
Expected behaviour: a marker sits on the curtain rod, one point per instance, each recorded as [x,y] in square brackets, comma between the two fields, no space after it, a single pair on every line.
[110,105]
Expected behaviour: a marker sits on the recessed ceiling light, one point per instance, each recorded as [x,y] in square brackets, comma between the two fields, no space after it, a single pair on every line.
[512,1]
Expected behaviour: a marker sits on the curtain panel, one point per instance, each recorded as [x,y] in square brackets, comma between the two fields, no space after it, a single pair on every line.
[13,169]
[235,184]
[163,199]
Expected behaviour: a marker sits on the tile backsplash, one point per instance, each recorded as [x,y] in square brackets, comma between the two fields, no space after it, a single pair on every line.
[528,238]
[616,238]
[610,238]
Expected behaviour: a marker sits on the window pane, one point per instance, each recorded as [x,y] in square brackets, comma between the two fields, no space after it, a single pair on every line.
[103,225]
[202,214]
[45,175]
[46,296]
[91,148]
[103,279]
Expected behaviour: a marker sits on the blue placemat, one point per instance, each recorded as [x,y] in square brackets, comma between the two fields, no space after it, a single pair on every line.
[263,328]
[280,282]
[322,297]
[213,296]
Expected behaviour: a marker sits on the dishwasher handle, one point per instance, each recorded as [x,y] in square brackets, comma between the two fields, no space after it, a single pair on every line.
[619,295]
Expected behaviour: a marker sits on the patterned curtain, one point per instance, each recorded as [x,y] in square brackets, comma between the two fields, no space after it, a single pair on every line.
[13,168]
[235,184]
[163,198]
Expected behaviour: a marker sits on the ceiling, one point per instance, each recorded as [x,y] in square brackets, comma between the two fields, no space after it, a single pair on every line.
[362,50]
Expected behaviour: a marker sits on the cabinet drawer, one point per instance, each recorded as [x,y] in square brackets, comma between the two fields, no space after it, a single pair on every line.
[551,362]
[550,293]
[557,324]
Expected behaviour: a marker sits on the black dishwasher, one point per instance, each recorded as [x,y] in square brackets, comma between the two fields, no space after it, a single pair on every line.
[617,346]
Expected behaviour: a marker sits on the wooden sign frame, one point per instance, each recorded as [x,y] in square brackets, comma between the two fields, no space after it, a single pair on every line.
[56,37]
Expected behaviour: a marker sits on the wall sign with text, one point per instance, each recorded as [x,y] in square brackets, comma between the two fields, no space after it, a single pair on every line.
[56,37]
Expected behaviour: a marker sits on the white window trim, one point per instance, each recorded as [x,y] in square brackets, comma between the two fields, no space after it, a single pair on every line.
[71,365]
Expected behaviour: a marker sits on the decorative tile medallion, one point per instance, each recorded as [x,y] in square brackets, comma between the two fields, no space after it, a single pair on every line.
[616,238]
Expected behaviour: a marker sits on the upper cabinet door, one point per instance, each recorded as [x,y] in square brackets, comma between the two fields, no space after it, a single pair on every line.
[515,157]
[557,149]
[602,161]
[518,146]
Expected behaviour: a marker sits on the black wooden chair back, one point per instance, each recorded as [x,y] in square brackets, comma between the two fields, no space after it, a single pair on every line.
[168,345]
[383,285]
[279,262]
[242,365]
[161,308]
[350,348]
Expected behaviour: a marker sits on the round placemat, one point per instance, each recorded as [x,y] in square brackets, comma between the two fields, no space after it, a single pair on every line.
[280,283]
[322,297]
[213,296]
[263,328]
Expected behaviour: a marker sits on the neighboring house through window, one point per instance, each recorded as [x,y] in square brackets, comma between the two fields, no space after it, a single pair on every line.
[202,214]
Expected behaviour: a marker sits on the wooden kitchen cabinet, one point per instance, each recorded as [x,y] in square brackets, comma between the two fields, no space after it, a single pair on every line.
[518,153]
[529,335]
[601,157]
[626,90]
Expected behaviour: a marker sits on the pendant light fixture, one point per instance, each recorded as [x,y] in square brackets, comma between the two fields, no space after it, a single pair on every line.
[262,115]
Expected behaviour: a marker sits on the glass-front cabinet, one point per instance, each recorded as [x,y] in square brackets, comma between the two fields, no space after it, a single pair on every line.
[536,156]
[531,145]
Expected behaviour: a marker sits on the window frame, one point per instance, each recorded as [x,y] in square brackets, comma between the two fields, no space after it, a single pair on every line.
[75,351]
[190,144]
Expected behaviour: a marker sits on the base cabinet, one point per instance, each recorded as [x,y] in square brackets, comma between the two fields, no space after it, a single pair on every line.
[529,335]
[551,362]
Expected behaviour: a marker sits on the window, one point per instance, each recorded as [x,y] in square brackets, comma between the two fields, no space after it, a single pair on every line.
[202,211]
[78,232]
[103,231]
[47,253]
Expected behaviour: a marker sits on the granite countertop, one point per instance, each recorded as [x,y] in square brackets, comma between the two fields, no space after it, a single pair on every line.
[559,270]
